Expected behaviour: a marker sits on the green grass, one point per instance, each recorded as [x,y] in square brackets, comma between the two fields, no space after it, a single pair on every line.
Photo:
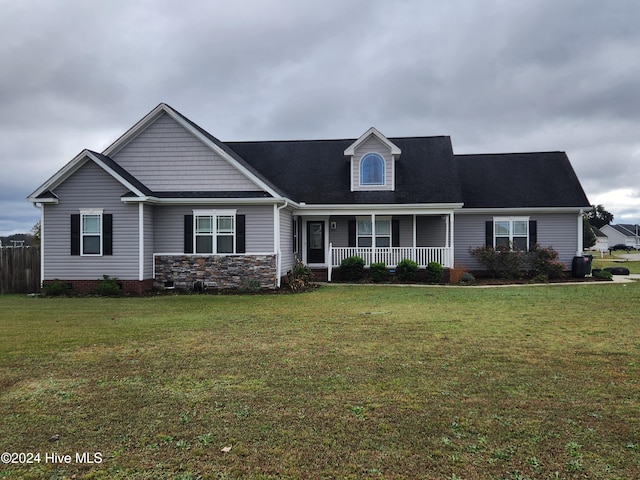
[615,261]
[356,382]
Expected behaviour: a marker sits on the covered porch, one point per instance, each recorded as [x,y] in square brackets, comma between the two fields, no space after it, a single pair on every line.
[388,236]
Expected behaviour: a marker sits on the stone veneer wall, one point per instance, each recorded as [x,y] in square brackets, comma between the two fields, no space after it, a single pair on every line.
[215,271]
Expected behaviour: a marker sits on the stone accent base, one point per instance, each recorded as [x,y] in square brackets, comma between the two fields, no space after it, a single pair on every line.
[218,272]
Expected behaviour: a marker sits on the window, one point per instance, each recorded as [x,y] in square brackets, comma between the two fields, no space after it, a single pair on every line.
[214,231]
[364,233]
[91,233]
[511,233]
[372,169]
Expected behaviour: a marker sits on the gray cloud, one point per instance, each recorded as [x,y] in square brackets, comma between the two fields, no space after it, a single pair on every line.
[496,75]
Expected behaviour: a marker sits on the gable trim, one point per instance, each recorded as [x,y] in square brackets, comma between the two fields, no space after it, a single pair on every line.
[395,150]
[72,167]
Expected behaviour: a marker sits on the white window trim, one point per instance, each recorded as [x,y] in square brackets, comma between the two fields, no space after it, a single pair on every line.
[214,214]
[86,212]
[511,220]
[384,171]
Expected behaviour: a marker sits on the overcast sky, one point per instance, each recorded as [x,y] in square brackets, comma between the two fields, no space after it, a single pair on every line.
[495,75]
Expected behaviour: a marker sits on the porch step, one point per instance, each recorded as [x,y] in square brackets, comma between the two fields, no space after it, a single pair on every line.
[320,274]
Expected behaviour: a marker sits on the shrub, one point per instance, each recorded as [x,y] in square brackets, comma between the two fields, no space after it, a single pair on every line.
[501,262]
[467,278]
[379,272]
[406,270]
[544,262]
[249,285]
[434,272]
[300,277]
[108,286]
[602,274]
[352,268]
[56,288]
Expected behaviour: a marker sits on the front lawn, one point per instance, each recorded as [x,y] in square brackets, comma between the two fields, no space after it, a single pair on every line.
[343,382]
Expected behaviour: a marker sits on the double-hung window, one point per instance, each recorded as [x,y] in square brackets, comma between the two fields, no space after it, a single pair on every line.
[91,232]
[364,232]
[214,230]
[511,233]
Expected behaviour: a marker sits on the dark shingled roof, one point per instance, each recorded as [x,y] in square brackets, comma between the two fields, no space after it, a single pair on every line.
[517,180]
[317,171]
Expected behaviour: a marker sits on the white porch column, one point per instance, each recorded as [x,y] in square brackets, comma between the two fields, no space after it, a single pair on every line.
[140,241]
[373,239]
[415,237]
[451,241]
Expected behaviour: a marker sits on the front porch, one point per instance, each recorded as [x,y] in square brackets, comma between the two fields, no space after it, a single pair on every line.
[391,256]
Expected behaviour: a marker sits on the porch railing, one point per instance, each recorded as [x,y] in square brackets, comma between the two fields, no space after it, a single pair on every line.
[391,256]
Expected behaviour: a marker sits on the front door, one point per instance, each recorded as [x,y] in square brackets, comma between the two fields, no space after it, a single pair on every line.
[315,242]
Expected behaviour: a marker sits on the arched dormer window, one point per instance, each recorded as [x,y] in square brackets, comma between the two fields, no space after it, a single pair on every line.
[372,169]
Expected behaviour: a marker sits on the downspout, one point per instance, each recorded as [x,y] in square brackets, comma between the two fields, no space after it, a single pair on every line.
[278,245]
[580,233]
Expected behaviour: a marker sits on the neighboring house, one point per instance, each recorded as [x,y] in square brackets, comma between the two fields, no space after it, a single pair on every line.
[623,234]
[168,205]
[602,241]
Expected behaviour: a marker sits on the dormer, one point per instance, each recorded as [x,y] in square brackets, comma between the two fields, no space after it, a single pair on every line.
[372,158]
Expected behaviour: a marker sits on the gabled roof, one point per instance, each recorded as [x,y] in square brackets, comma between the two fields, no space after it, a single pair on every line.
[315,171]
[45,193]
[212,142]
[626,229]
[519,180]
[350,150]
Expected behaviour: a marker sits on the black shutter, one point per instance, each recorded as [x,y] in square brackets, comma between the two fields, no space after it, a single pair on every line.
[240,234]
[352,233]
[75,234]
[188,234]
[533,233]
[107,234]
[395,233]
[488,234]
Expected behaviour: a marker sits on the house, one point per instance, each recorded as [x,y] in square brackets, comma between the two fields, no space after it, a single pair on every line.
[169,205]
[623,234]
[602,241]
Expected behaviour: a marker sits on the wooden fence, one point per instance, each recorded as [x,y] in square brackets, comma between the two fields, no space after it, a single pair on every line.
[19,270]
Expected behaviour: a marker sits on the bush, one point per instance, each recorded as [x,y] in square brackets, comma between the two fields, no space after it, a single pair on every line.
[467,278]
[406,270]
[434,272]
[379,272]
[602,274]
[501,262]
[352,268]
[544,262]
[300,277]
[108,286]
[56,288]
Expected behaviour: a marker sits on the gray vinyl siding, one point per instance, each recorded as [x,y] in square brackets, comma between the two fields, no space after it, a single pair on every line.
[286,240]
[556,230]
[166,157]
[169,227]
[431,232]
[90,187]
[372,145]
